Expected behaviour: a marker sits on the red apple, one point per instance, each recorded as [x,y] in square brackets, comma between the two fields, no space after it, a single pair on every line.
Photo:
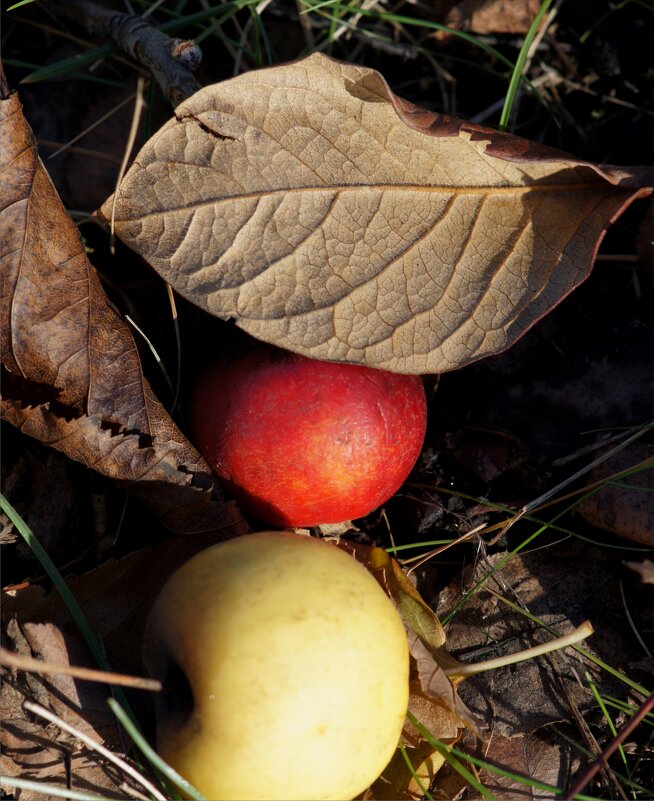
[302,442]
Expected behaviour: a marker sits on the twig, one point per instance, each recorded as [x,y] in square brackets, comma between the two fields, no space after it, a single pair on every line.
[171,61]
[27,663]
[5,91]
[603,758]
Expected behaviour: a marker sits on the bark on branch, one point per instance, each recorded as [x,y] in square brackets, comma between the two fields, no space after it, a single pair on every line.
[171,61]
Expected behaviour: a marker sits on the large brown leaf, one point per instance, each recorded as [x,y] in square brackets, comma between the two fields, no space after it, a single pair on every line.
[329,216]
[72,375]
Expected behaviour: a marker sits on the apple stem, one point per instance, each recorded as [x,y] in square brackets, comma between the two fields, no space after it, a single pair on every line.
[579,634]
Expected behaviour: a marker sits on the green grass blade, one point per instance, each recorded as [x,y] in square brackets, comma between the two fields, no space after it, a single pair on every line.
[479,763]
[628,708]
[609,721]
[151,755]
[518,69]
[386,16]
[57,579]
[596,660]
[20,3]
[451,757]
[411,545]
[424,790]
[71,64]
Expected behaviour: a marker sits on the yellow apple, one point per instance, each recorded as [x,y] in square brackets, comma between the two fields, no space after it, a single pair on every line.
[286,670]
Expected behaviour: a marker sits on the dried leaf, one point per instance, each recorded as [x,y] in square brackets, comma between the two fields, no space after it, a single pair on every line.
[116,598]
[33,749]
[626,507]
[492,16]
[416,613]
[397,782]
[530,756]
[329,216]
[562,592]
[645,569]
[72,374]
[437,685]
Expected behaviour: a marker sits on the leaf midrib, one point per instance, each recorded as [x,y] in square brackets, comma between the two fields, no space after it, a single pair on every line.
[341,188]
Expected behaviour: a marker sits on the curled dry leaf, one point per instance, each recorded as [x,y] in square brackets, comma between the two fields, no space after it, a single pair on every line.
[330,217]
[72,375]
[434,683]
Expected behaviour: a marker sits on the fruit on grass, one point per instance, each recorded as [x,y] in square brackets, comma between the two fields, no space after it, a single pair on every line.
[302,442]
[285,668]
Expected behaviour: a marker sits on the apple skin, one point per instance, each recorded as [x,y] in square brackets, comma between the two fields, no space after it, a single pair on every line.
[302,442]
[289,668]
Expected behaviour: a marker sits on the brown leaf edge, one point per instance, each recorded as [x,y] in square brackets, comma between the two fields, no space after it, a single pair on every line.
[638,179]
[507,146]
[106,416]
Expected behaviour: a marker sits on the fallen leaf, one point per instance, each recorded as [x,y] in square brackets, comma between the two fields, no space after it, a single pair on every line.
[435,684]
[531,756]
[522,698]
[332,218]
[34,749]
[624,507]
[645,569]
[492,16]
[72,376]
[415,612]
[116,598]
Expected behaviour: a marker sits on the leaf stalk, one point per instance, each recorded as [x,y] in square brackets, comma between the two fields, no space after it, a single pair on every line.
[580,633]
